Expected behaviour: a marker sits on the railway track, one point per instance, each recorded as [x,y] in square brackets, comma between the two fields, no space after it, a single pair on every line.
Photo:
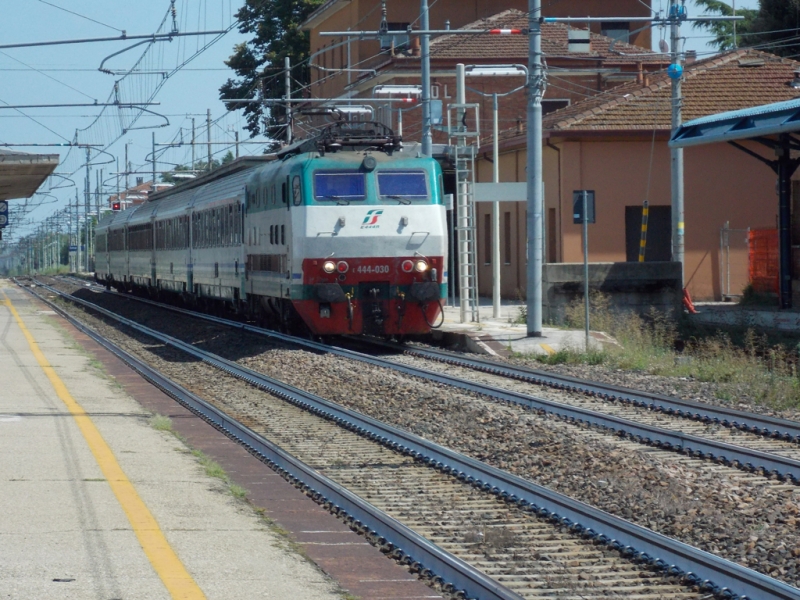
[747,441]
[491,519]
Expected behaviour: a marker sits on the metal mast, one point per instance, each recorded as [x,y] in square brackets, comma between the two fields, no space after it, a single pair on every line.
[535,199]
[677,12]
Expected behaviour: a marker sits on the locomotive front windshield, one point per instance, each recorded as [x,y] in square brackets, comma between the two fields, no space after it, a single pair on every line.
[404,186]
[339,185]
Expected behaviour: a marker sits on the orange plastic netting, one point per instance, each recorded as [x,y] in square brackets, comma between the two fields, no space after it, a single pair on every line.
[763,245]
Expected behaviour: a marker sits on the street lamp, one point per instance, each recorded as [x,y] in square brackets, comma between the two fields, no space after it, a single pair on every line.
[496,71]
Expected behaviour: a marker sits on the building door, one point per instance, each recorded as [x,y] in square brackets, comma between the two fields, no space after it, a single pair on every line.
[659,233]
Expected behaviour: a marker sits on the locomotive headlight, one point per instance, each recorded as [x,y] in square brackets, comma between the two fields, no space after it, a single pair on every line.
[342,267]
[329,266]
[407,266]
[421,266]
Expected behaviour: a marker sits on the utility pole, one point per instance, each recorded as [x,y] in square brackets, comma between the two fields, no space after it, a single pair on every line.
[78,232]
[677,13]
[86,207]
[425,50]
[535,199]
[208,135]
[153,162]
[193,138]
[495,211]
[127,170]
[236,133]
[287,88]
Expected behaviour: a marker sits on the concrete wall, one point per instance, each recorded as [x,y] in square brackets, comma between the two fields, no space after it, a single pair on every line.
[722,184]
[633,287]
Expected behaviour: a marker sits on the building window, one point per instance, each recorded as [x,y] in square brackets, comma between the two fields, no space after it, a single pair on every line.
[549,106]
[617,30]
[400,41]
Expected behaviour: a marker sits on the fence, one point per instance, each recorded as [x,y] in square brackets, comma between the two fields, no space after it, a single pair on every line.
[763,261]
[733,261]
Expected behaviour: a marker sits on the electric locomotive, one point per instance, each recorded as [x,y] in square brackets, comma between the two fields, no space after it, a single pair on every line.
[344,233]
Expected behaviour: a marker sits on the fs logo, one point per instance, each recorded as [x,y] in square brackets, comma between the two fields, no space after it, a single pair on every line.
[371,219]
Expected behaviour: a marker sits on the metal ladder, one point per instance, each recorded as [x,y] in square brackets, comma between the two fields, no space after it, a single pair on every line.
[466,223]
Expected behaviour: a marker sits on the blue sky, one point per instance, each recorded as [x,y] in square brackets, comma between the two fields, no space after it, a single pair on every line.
[69,74]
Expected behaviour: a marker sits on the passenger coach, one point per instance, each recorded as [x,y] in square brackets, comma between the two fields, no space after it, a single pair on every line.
[343,233]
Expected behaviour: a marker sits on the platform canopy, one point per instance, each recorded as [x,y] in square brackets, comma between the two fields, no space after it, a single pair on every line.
[22,173]
[771,126]
[757,121]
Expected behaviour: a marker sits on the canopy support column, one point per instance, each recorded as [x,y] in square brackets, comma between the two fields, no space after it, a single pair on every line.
[784,166]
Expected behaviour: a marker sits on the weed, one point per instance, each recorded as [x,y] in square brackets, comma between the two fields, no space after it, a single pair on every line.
[752,366]
[161,423]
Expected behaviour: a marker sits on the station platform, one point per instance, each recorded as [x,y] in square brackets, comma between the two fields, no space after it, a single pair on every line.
[96,503]
[507,334]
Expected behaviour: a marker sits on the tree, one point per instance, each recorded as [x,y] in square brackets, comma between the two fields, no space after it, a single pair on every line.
[723,30]
[773,27]
[275,25]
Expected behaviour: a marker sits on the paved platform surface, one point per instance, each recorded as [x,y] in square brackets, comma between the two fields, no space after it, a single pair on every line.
[508,334]
[71,527]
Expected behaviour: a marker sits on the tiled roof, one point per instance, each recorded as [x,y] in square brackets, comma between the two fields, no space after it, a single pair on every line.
[732,81]
[515,47]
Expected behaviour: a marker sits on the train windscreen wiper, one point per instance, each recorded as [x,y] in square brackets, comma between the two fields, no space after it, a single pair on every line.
[400,199]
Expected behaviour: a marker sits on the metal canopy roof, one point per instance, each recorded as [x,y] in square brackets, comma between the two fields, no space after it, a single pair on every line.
[768,119]
[21,173]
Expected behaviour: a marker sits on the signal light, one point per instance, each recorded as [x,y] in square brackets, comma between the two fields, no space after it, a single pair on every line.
[116,206]
[329,266]
[421,266]
[407,266]
[342,267]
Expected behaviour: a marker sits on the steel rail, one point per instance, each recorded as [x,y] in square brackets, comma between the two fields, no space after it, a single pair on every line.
[729,454]
[773,427]
[402,542]
[643,545]
[765,425]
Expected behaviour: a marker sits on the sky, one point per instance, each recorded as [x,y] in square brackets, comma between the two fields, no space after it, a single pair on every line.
[64,74]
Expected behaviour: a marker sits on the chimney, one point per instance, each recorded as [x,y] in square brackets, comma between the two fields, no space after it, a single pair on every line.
[139,180]
[795,83]
[691,56]
[639,72]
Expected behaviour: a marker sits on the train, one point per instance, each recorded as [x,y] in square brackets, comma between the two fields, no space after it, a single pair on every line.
[342,233]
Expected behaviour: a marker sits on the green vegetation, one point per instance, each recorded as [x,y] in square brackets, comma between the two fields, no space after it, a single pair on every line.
[747,366]
[770,27]
[258,63]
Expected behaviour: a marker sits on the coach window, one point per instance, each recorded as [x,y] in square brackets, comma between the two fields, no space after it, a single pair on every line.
[403,186]
[271,234]
[341,187]
[283,235]
[283,192]
[297,196]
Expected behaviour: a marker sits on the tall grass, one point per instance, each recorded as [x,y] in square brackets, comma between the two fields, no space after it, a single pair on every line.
[753,368]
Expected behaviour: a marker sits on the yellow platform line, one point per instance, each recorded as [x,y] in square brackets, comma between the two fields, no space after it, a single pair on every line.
[165,562]
[547,349]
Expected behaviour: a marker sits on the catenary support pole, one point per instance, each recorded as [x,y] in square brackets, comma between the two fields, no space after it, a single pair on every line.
[208,136]
[87,193]
[425,51]
[193,142]
[677,12]
[153,163]
[495,212]
[287,86]
[585,212]
[535,201]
